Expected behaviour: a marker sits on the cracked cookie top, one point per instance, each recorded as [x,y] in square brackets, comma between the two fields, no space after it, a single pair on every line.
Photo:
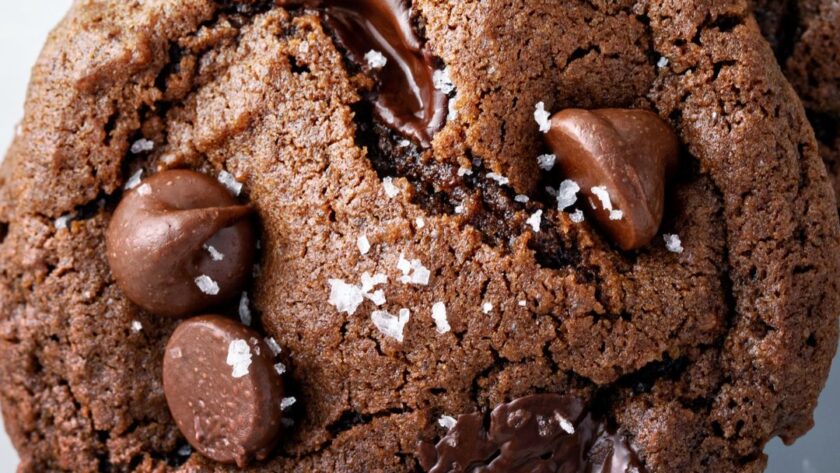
[411,283]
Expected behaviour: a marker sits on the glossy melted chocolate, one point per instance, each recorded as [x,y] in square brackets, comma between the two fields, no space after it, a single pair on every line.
[405,99]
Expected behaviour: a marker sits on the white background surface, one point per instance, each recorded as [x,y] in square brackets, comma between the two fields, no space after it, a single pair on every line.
[24,25]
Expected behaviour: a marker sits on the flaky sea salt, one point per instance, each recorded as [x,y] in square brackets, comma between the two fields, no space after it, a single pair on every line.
[567,194]
[280,368]
[134,180]
[230,182]
[273,345]
[462,171]
[391,326]
[369,283]
[375,59]
[565,424]
[576,216]
[142,145]
[345,297]
[215,254]
[62,222]
[663,62]
[447,422]
[673,243]
[391,190]
[459,209]
[439,316]
[245,310]
[363,243]
[136,326]
[535,220]
[144,189]
[542,117]
[403,144]
[522,303]
[603,195]
[487,307]
[413,271]
[287,402]
[502,180]
[239,357]
[546,161]
[207,285]
[442,81]
[522,199]
[419,222]
[452,110]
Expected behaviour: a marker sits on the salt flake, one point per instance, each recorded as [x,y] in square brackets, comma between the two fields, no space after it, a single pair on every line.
[134,180]
[442,81]
[230,182]
[535,220]
[391,326]
[363,243]
[413,271]
[144,189]
[673,243]
[287,402]
[142,145]
[439,316]
[245,310]
[487,307]
[280,368]
[239,357]
[546,161]
[502,180]
[447,422]
[522,199]
[273,345]
[345,297]
[375,59]
[567,194]
[207,285]
[542,117]
[215,254]
[391,190]
[603,195]
[136,326]
[577,216]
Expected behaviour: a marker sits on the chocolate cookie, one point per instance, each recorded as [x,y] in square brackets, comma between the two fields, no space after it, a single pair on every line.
[806,37]
[436,270]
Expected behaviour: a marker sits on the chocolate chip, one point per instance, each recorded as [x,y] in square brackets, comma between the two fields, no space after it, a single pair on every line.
[223,390]
[179,242]
[378,34]
[620,159]
[546,433]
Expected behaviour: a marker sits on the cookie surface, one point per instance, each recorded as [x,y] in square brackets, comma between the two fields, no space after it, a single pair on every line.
[805,35]
[698,357]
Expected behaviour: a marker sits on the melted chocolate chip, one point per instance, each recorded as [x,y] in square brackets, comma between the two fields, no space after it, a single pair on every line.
[222,389]
[179,243]
[620,159]
[406,98]
[545,433]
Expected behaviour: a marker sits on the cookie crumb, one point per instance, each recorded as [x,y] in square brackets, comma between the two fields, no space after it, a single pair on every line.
[439,316]
[207,285]
[230,182]
[542,117]
[239,357]
[673,243]
[375,59]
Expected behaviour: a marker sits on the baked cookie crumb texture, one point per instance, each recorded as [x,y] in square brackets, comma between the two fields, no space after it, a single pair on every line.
[428,280]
